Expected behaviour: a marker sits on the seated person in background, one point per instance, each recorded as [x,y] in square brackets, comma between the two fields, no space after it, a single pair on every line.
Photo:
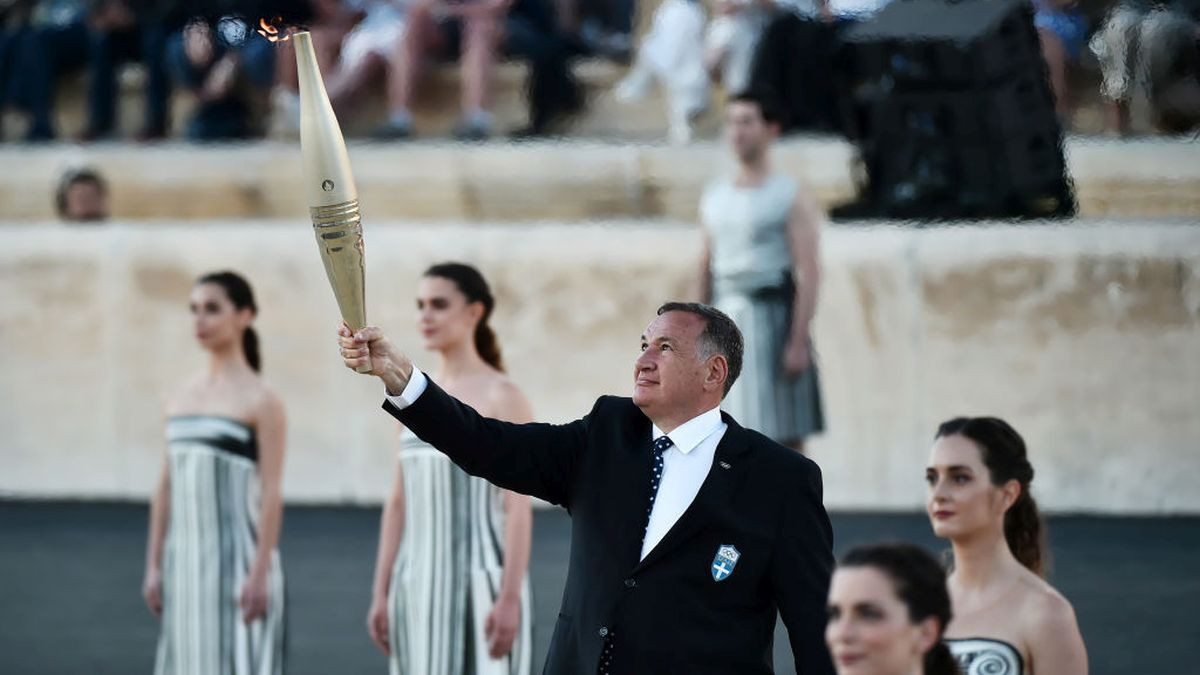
[470,29]
[732,36]
[353,43]
[888,609]
[672,54]
[1062,32]
[532,32]
[368,51]
[796,59]
[13,22]
[47,42]
[1152,49]
[601,27]
[218,58]
[82,196]
[128,30]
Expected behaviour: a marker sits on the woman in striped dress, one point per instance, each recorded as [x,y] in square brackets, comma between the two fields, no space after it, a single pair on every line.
[212,569]
[759,228]
[451,594]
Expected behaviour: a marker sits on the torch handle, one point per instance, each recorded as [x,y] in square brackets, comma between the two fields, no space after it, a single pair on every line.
[366,367]
[354,328]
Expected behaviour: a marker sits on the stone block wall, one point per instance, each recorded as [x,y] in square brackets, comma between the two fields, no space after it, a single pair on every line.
[1086,336]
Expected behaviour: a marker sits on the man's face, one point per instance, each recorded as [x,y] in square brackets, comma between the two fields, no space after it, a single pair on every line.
[670,373]
[85,201]
[748,133]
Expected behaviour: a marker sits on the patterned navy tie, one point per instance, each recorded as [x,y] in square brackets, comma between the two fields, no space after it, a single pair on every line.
[661,445]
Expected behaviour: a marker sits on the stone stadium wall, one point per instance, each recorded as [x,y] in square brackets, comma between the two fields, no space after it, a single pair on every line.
[1086,336]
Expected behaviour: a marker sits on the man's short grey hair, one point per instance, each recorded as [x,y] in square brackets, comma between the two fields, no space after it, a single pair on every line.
[720,336]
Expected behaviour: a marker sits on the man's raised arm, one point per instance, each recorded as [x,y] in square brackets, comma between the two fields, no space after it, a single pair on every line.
[534,459]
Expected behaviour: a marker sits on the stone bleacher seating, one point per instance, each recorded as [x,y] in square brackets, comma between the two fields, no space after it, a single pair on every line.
[547,180]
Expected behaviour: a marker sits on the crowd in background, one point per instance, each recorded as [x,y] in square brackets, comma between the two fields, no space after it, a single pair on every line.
[210,49]
[240,83]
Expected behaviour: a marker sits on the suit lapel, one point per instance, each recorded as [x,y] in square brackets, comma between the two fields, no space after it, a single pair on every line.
[631,475]
[716,493]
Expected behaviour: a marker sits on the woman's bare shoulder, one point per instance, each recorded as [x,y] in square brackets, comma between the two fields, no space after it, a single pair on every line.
[506,400]
[263,399]
[1043,606]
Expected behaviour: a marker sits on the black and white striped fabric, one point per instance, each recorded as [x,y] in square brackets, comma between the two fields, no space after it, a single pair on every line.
[448,572]
[209,549]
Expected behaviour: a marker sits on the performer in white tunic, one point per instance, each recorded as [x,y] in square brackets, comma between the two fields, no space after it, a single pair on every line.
[760,229]
[212,569]
[451,594]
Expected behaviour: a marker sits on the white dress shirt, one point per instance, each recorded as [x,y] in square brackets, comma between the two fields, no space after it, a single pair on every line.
[685,464]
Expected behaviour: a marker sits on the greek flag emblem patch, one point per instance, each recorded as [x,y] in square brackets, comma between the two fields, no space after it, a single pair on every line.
[724,562]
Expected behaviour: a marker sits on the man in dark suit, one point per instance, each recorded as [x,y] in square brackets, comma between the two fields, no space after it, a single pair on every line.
[688,530]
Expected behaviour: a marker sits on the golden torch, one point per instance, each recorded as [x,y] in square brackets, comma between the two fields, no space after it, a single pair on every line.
[329,184]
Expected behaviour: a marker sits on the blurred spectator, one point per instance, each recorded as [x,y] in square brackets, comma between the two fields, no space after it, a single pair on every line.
[795,61]
[672,54]
[604,27]
[784,47]
[368,49]
[120,31]
[470,29]
[1151,49]
[215,58]
[82,196]
[48,40]
[732,36]
[353,46]
[12,21]
[532,32]
[1062,31]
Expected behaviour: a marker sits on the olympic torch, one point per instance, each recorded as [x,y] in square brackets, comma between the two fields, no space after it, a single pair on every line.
[329,185]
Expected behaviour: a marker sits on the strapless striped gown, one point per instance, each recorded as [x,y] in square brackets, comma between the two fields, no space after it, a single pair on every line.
[210,546]
[447,572]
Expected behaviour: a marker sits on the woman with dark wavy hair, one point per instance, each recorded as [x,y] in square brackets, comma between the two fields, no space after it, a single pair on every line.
[1007,619]
[451,594]
[888,609]
[213,573]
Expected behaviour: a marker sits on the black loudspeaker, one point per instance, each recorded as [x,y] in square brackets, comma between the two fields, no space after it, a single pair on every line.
[953,114]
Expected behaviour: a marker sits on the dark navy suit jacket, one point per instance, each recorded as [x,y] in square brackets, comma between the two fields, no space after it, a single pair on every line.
[666,613]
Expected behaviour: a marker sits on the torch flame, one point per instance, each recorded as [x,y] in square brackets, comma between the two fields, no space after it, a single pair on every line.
[273,34]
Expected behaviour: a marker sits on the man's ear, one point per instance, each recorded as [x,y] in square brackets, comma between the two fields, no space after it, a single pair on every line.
[718,371]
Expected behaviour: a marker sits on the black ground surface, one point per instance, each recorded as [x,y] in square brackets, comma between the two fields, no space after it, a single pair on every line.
[70,575]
